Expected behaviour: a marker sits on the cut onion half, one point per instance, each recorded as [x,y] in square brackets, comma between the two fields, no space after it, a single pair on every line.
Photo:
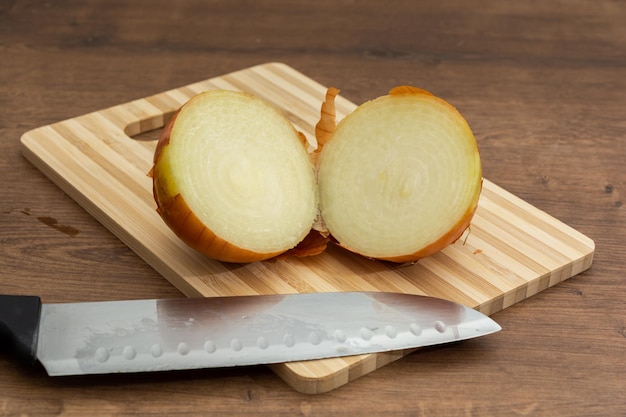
[400,177]
[232,178]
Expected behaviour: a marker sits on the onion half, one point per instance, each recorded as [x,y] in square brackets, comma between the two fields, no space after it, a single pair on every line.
[232,178]
[400,177]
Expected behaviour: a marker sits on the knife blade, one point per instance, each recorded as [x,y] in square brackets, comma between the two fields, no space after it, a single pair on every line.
[190,333]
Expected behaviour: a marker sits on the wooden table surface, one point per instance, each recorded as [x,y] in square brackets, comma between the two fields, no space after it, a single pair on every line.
[542,83]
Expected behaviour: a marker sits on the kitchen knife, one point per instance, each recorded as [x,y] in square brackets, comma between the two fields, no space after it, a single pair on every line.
[189,333]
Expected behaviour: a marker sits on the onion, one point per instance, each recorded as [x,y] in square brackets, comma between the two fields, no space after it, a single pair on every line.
[232,178]
[400,177]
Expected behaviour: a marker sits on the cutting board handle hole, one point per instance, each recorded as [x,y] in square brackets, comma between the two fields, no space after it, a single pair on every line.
[149,129]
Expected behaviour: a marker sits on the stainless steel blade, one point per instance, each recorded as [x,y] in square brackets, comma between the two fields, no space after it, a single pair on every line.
[174,334]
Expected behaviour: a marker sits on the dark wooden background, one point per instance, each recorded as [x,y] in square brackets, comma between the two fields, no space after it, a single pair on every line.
[542,83]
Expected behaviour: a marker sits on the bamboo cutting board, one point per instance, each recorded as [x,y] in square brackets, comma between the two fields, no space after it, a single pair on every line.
[513,251]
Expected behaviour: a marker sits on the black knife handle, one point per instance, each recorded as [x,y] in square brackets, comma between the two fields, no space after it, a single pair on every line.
[19,324]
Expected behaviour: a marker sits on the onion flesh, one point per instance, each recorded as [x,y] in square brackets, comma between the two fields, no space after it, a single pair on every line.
[232,178]
[400,177]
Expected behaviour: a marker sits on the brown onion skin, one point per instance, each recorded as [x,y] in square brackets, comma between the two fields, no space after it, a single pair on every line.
[313,244]
[184,223]
[164,137]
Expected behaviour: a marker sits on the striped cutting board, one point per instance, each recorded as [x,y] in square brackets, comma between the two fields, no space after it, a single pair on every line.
[513,250]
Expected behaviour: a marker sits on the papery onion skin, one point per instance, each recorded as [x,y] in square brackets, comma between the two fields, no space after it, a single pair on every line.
[326,125]
[313,244]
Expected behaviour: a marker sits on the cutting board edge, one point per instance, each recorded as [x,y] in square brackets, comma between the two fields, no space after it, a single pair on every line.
[357,367]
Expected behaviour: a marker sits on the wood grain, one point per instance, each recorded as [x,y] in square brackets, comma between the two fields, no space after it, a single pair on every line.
[511,252]
[541,84]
